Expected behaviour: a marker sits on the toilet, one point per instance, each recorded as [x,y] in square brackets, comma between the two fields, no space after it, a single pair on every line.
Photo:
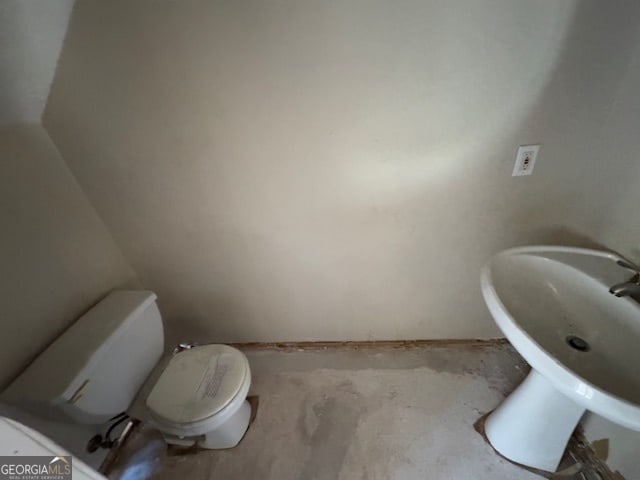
[111,361]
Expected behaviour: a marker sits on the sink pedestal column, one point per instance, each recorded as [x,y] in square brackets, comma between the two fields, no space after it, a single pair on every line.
[533,425]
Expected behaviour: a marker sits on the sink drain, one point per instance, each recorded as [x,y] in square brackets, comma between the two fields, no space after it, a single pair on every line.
[578,343]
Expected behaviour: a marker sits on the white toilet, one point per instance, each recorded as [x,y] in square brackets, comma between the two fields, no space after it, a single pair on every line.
[105,360]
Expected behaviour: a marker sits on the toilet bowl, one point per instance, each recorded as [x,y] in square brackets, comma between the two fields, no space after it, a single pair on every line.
[97,368]
[202,392]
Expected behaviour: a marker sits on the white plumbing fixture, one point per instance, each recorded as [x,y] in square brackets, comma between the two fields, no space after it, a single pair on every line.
[96,368]
[555,306]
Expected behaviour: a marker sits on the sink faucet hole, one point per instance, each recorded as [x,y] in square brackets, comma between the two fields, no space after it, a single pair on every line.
[578,343]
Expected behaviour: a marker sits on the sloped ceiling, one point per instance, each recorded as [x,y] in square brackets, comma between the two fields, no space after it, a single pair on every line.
[31,37]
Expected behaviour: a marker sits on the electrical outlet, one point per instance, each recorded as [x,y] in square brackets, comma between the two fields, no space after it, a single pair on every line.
[525,160]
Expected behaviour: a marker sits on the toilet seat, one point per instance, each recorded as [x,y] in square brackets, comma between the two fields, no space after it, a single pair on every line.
[199,389]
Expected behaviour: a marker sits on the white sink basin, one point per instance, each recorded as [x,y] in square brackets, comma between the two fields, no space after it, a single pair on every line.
[554,306]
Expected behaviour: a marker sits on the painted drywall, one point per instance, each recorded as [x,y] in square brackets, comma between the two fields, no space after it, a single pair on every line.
[58,258]
[303,171]
[31,37]
[621,228]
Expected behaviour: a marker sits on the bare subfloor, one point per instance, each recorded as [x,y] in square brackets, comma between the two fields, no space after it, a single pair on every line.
[374,413]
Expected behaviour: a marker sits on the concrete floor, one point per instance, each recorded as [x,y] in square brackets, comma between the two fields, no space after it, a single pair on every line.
[378,413]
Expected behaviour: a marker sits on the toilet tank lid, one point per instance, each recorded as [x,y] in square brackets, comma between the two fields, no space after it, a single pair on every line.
[198,383]
[58,372]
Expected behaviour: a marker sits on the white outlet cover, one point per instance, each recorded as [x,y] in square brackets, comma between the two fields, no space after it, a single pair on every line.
[525,160]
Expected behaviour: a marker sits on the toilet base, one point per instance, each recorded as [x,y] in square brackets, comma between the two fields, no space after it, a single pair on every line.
[230,432]
[226,435]
[533,425]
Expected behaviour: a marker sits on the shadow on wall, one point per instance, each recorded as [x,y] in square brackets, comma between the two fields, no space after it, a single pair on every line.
[326,172]
[566,237]
[562,236]
[595,80]
[598,82]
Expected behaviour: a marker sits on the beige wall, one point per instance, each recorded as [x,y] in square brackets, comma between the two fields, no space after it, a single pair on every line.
[57,256]
[31,36]
[621,228]
[339,170]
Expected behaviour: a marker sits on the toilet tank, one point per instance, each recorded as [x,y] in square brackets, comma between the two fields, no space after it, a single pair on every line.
[95,368]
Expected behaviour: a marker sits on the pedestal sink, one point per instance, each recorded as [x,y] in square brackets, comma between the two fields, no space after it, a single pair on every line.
[583,344]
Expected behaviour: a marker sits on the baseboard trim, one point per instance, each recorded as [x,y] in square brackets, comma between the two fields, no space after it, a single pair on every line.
[367,344]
